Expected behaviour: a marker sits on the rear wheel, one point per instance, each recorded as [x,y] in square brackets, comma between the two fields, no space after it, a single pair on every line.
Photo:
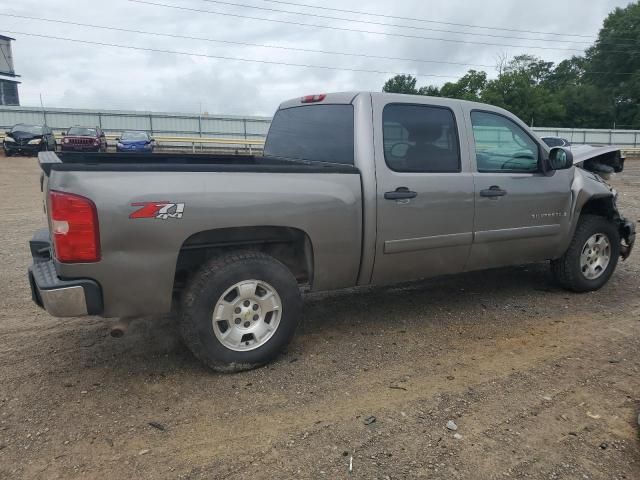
[591,257]
[240,311]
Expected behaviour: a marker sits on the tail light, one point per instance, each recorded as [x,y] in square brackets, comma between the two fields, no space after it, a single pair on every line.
[313,98]
[74,224]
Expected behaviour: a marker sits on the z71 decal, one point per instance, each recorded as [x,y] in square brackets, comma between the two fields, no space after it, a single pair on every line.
[159,210]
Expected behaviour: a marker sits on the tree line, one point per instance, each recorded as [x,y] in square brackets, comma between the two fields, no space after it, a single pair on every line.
[600,89]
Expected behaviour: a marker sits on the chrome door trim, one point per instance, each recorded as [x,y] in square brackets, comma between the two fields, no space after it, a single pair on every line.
[518,233]
[427,243]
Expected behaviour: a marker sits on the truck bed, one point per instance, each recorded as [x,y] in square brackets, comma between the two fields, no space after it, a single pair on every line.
[223,199]
[182,162]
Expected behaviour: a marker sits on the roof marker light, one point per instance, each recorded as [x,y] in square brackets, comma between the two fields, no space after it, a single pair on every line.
[313,98]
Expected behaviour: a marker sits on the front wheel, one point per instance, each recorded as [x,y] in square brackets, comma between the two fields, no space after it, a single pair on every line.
[591,257]
[240,311]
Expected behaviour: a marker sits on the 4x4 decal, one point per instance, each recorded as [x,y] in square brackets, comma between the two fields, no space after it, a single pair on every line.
[160,210]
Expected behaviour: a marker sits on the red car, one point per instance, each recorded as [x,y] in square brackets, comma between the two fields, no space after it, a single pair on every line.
[84,139]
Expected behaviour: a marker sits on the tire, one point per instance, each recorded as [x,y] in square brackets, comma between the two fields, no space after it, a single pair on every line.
[567,269]
[220,277]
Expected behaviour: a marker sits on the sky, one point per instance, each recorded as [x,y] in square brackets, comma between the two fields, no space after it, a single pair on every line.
[76,75]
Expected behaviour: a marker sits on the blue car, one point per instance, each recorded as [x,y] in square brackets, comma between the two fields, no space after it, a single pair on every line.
[139,142]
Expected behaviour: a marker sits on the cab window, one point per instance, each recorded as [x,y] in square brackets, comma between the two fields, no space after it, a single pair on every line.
[502,145]
[319,133]
[420,138]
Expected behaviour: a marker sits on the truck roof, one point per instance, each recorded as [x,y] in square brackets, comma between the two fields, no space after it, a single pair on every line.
[348,97]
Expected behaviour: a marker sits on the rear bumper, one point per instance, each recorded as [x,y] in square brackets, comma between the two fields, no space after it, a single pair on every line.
[60,297]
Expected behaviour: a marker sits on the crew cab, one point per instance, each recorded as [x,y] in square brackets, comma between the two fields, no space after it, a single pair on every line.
[84,139]
[353,189]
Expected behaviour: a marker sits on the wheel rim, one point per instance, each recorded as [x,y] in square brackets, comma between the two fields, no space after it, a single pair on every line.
[595,256]
[247,315]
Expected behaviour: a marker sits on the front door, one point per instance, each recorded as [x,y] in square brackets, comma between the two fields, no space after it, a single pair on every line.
[521,213]
[424,191]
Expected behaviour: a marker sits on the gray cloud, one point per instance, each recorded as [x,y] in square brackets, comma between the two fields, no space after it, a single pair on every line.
[89,76]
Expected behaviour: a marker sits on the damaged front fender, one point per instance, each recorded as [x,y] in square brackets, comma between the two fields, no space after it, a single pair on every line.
[627,231]
[592,195]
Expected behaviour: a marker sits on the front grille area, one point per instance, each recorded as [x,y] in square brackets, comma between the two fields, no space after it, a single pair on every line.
[81,141]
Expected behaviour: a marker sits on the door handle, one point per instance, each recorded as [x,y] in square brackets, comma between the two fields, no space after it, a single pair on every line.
[493,191]
[400,193]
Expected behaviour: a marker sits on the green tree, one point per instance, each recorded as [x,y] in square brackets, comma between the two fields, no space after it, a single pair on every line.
[567,73]
[586,106]
[401,84]
[614,63]
[595,91]
[469,87]
[520,89]
[430,91]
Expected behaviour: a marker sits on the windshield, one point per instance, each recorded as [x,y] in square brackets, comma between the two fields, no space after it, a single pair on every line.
[81,131]
[34,129]
[134,136]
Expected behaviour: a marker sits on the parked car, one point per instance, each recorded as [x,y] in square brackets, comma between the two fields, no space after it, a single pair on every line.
[84,139]
[135,142]
[28,139]
[556,142]
[353,189]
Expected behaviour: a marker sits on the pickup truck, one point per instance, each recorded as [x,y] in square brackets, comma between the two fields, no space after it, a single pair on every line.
[353,189]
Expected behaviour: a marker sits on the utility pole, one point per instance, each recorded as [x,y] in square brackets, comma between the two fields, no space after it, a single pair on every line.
[44,113]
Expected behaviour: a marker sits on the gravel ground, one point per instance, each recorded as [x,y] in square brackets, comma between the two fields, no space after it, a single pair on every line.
[540,383]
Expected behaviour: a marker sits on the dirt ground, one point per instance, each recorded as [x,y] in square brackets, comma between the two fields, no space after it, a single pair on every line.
[542,384]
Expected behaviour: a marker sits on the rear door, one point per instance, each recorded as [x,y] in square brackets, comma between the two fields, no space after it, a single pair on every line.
[521,213]
[424,189]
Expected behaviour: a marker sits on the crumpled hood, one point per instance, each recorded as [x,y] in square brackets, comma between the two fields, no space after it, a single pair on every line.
[24,135]
[581,153]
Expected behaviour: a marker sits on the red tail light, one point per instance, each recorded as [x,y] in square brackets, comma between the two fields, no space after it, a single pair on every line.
[74,224]
[313,98]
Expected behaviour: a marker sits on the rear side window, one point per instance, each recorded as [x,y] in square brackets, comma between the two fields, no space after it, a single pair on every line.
[420,138]
[320,133]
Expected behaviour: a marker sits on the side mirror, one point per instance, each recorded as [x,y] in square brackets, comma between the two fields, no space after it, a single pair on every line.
[63,134]
[117,139]
[560,158]
[152,139]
